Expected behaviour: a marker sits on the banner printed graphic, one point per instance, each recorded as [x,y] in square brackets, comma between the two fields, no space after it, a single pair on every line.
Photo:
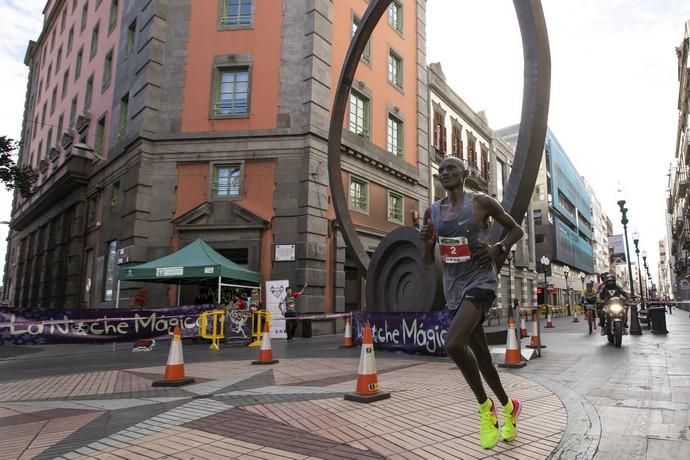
[423,333]
[49,326]
[275,294]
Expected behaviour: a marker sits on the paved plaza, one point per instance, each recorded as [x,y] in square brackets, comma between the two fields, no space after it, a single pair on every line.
[582,399]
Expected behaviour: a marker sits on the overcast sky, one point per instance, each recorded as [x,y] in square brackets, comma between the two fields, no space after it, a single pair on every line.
[613,96]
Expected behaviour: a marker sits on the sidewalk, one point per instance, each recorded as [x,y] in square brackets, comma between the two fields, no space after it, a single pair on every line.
[293,409]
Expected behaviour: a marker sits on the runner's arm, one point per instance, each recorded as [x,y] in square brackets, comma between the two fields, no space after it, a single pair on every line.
[428,236]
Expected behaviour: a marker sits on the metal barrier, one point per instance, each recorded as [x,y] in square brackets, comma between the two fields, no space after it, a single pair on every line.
[259,318]
[218,328]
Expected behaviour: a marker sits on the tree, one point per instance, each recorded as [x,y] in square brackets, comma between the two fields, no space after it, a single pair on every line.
[14,176]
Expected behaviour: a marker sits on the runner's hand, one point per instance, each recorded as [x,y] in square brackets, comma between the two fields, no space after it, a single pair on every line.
[428,234]
[486,254]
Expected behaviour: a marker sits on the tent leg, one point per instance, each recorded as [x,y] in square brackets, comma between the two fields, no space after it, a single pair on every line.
[219,291]
[117,295]
[178,294]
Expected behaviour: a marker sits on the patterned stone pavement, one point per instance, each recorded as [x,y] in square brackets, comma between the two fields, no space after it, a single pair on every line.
[291,410]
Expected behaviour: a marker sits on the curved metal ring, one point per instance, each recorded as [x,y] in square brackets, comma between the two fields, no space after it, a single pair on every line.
[530,145]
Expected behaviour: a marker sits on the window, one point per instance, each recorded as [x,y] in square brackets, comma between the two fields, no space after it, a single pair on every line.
[61,122]
[115,194]
[107,69]
[440,131]
[358,195]
[49,141]
[73,111]
[63,20]
[109,272]
[89,92]
[538,238]
[52,40]
[84,15]
[536,216]
[394,136]
[74,5]
[366,54]
[70,39]
[58,60]
[395,208]
[43,114]
[395,69]
[99,141]
[50,71]
[124,109]
[77,65]
[232,92]
[359,114]
[236,13]
[395,16]
[226,181]
[472,149]
[53,100]
[486,167]
[113,14]
[65,83]
[131,35]
[87,281]
[499,180]
[456,140]
[94,41]
[33,134]
[40,89]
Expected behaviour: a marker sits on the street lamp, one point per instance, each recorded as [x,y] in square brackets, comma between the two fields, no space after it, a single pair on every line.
[545,264]
[636,241]
[509,258]
[635,328]
[644,260]
[582,280]
[566,272]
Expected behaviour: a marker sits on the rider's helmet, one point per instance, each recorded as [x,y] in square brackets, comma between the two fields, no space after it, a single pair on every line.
[603,276]
[610,279]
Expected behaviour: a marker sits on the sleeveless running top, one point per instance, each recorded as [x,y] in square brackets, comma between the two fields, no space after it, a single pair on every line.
[457,240]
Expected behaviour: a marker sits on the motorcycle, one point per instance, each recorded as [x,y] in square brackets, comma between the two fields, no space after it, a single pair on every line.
[615,312]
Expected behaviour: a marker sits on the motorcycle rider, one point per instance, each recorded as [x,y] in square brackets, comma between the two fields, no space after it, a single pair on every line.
[608,290]
[589,297]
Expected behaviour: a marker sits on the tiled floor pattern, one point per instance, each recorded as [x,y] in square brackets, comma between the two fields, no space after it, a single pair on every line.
[293,409]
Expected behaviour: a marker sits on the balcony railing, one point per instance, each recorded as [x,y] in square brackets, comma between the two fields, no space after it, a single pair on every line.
[681,182]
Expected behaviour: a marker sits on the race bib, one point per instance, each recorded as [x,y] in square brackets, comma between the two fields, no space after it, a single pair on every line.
[454,249]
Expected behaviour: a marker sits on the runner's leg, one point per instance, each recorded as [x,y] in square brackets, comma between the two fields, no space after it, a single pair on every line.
[480,348]
[457,346]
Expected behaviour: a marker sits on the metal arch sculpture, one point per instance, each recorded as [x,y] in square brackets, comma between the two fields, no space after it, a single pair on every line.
[530,145]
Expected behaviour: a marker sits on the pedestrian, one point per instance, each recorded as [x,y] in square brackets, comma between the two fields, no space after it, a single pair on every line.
[460,225]
[289,310]
[255,305]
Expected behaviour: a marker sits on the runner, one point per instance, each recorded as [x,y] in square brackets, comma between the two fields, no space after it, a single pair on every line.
[289,310]
[460,224]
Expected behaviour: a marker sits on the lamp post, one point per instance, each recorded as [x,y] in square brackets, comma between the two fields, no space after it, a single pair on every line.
[636,241]
[635,328]
[582,280]
[566,272]
[511,307]
[545,264]
[644,262]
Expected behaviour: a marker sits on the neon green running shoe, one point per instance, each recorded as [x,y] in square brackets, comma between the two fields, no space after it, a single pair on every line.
[488,425]
[511,412]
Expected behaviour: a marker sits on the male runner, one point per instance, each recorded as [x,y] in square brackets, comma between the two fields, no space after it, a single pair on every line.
[460,224]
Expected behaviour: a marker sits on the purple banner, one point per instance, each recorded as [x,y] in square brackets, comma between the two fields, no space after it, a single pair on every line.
[423,333]
[45,326]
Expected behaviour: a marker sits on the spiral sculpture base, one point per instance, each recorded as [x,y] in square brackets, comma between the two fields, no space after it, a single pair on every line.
[397,280]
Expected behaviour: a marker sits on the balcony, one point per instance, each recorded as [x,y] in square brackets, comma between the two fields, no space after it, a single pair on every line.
[681,182]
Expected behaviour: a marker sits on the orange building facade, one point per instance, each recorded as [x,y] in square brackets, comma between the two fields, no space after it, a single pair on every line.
[214,125]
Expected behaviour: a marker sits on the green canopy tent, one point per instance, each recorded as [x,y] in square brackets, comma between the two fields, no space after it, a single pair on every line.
[193,263]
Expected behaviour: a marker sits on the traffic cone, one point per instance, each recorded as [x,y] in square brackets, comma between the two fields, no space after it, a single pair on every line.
[535,340]
[367,389]
[265,353]
[549,322]
[347,338]
[523,325]
[512,357]
[576,318]
[174,369]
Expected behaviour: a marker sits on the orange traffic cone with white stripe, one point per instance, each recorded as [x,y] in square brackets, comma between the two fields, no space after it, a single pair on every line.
[549,321]
[512,357]
[535,340]
[174,369]
[576,318]
[523,325]
[265,352]
[347,338]
[367,389]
